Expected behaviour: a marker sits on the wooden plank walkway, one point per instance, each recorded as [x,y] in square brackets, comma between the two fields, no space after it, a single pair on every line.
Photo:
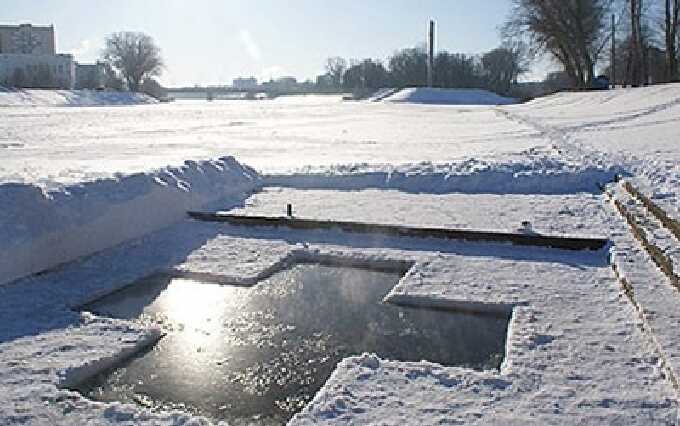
[566,243]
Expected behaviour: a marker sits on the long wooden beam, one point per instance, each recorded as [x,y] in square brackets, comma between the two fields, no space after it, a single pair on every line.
[566,243]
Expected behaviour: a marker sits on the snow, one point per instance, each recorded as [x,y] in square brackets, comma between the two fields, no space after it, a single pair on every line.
[575,352]
[453,210]
[593,337]
[41,229]
[635,128]
[57,146]
[44,97]
[534,171]
[435,96]
[381,94]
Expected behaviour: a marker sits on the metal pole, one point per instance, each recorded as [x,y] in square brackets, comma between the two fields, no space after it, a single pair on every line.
[613,60]
[430,55]
[650,80]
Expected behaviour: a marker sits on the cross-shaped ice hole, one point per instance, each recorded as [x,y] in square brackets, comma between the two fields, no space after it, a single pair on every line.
[233,353]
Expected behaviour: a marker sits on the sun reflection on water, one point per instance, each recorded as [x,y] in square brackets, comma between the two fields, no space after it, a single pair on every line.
[257,355]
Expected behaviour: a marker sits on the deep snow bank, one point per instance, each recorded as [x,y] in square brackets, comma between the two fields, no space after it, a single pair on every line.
[34,97]
[434,96]
[534,171]
[39,230]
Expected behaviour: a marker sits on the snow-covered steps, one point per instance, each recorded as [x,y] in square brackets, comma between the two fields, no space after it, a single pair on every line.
[653,296]
[659,213]
[645,258]
[381,94]
[659,240]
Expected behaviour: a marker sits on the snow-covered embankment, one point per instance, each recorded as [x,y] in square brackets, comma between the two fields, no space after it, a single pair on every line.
[437,96]
[39,230]
[541,170]
[35,97]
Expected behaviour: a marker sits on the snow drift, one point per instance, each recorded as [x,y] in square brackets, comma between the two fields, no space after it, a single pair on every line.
[39,230]
[434,96]
[35,97]
[534,171]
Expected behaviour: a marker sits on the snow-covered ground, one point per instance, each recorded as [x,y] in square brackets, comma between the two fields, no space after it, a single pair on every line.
[637,128]
[427,95]
[575,352]
[44,98]
[48,146]
[548,214]
[585,345]
[39,230]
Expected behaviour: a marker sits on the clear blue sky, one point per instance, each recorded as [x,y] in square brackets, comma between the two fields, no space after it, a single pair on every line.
[213,41]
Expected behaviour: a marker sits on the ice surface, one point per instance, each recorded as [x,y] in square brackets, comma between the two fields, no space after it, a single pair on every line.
[236,353]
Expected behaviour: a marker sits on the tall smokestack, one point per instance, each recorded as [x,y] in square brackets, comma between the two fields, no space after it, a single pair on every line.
[430,55]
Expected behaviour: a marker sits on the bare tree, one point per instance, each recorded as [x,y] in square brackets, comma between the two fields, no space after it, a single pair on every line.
[458,70]
[111,79]
[365,74]
[335,68]
[503,65]
[672,21]
[134,56]
[408,67]
[573,31]
[635,66]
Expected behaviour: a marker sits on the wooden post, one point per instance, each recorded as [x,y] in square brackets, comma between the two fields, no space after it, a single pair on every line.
[430,55]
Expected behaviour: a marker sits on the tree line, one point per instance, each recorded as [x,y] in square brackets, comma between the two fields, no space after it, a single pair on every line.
[633,42]
[495,70]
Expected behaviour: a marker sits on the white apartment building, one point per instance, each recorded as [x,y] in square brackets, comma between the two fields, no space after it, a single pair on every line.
[28,58]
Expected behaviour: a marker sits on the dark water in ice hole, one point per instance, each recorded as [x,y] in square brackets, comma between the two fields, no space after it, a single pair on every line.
[258,355]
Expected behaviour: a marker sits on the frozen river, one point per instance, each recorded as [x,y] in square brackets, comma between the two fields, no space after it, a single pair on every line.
[65,145]
[592,338]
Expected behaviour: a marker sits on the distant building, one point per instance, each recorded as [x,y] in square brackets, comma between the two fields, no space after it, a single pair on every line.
[37,71]
[282,84]
[324,81]
[286,83]
[90,76]
[26,39]
[245,83]
[28,58]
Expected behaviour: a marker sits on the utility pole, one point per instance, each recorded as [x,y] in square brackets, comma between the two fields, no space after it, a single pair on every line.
[650,79]
[613,58]
[430,55]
